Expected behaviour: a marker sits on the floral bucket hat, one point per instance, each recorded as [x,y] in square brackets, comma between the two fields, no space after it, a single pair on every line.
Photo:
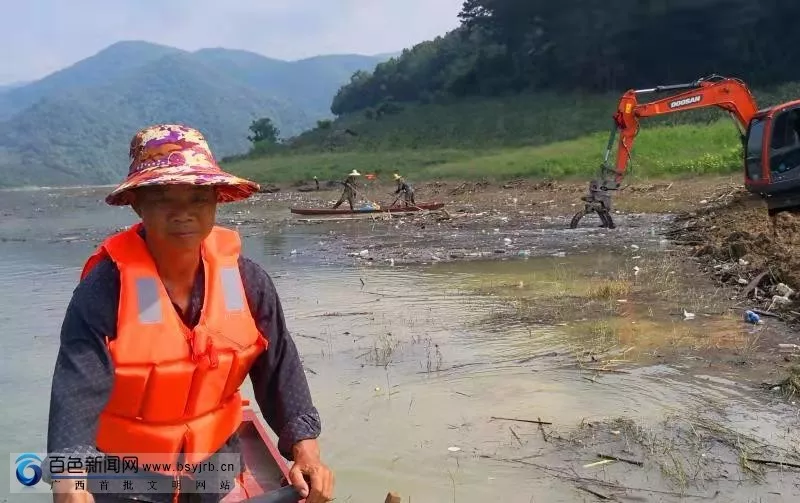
[167,154]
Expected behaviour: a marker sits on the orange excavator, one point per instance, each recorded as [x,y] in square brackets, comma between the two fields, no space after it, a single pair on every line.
[770,140]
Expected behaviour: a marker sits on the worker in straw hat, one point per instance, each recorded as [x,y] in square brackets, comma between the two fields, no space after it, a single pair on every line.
[406,190]
[166,323]
[350,189]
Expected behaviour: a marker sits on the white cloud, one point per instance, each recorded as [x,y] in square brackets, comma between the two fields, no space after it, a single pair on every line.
[41,36]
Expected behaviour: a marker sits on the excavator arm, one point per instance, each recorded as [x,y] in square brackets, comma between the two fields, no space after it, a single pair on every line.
[731,95]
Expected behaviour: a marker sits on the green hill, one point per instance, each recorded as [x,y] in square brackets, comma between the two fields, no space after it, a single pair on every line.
[307,83]
[73,126]
[512,46]
[105,66]
[81,137]
[533,135]
[497,139]
[523,87]
[527,119]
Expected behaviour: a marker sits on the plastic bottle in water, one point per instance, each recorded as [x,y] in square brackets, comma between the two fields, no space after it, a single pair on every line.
[751,317]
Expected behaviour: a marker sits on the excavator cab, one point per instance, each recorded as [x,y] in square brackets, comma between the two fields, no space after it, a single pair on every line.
[772,156]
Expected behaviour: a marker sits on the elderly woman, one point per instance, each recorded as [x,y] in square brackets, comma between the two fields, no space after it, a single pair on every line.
[168,320]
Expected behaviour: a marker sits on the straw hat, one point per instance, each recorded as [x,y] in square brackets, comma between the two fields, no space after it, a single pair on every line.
[169,154]
[397,177]
[354,173]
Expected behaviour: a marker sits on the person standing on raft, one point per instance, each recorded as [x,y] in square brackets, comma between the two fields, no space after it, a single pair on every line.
[405,189]
[350,189]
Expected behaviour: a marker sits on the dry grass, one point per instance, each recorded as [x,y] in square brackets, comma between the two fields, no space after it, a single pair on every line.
[383,350]
[609,289]
[566,292]
[635,312]
[673,278]
[689,452]
[790,387]
[595,342]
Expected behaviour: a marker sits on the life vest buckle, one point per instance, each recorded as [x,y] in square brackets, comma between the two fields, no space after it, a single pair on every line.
[201,339]
[211,353]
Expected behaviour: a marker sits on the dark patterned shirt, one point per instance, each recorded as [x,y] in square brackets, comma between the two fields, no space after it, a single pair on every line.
[84,372]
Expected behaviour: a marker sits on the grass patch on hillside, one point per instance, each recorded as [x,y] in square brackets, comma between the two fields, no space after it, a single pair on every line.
[483,125]
[691,149]
[523,120]
[529,119]
[520,121]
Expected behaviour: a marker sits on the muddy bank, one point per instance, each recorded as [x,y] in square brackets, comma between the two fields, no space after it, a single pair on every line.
[713,220]
[738,244]
[676,459]
[650,276]
[482,220]
[664,267]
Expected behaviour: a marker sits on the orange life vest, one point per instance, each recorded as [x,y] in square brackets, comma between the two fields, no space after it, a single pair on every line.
[176,390]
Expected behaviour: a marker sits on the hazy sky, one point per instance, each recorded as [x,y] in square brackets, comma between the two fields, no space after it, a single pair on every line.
[38,37]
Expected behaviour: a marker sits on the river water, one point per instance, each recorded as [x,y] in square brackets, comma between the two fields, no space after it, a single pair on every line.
[401,362]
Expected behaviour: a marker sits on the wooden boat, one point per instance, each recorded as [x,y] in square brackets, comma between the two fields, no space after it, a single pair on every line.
[400,208]
[266,469]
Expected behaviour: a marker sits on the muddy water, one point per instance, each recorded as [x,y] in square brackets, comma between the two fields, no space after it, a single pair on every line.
[407,365]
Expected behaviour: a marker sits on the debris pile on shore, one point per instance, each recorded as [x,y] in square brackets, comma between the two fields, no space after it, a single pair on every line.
[791,385]
[738,243]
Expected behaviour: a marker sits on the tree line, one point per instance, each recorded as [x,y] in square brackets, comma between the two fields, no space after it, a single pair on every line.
[511,46]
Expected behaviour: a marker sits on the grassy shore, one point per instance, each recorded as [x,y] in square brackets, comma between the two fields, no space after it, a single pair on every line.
[662,151]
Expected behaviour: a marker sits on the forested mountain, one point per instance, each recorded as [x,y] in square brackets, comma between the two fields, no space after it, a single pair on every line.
[72,127]
[107,65]
[510,46]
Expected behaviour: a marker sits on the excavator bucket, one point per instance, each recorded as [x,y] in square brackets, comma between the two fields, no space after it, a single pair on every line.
[597,201]
[605,219]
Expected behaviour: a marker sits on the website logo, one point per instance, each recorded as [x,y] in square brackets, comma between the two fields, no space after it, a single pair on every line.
[29,469]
